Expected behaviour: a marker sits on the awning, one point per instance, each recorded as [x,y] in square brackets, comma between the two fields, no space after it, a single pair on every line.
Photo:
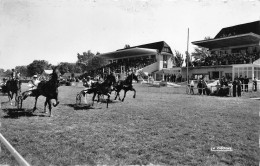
[128,53]
[238,40]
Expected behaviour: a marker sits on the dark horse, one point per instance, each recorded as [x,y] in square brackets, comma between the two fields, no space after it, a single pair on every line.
[104,88]
[48,89]
[13,87]
[126,85]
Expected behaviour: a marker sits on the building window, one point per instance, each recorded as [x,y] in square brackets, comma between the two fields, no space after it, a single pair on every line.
[166,49]
[215,74]
[257,72]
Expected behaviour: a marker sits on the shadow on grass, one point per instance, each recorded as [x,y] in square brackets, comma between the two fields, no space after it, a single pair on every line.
[156,86]
[80,106]
[89,106]
[16,113]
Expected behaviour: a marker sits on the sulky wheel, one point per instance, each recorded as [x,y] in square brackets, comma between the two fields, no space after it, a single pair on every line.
[188,90]
[78,98]
[19,102]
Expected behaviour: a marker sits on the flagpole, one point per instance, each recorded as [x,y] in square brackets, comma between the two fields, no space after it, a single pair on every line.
[187,63]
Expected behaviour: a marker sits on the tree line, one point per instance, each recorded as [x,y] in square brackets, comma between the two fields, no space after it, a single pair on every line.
[85,61]
[88,61]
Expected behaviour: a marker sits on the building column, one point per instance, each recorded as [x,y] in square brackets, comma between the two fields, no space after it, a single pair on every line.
[253,72]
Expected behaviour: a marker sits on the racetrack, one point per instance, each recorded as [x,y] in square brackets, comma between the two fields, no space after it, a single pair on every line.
[161,126]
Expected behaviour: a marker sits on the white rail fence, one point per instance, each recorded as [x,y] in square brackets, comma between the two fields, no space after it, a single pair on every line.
[12,150]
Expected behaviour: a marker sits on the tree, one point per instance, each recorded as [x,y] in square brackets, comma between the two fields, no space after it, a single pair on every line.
[200,54]
[88,61]
[178,59]
[2,72]
[23,70]
[84,59]
[127,46]
[8,73]
[37,67]
[65,67]
[97,62]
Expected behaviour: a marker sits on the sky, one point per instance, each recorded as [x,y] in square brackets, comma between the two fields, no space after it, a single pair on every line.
[56,30]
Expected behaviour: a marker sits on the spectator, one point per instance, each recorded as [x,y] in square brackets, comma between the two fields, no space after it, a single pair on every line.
[200,86]
[239,88]
[13,74]
[218,88]
[242,82]
[246,81]
[234,87]
[174,77]
[204,86]
[192,87]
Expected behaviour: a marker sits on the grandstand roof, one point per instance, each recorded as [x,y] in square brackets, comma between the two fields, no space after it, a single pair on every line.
[243,34]
[238,40]
[141,50]
[252,27]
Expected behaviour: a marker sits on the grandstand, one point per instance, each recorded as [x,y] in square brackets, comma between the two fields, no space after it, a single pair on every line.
[234,51]
[146,59]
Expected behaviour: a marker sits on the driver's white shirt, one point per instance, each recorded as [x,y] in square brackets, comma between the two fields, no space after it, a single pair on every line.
[33,84]
[88,84]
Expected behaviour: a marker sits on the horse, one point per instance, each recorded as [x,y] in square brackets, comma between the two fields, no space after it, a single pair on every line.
[13,87]
[126,85]
[48,89]
[104,88]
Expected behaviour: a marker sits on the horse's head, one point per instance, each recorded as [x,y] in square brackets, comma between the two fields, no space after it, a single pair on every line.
[131,77]
[110,80]
[55,75]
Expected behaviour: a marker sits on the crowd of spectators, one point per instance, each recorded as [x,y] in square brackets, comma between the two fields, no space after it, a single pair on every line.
[131,64]
[173,77]
[224,87]
[228,59]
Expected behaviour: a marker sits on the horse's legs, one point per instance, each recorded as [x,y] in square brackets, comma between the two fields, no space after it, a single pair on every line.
[85,97]
[125,90]
[16,98]
[93,98]
[134,92]
[57,100]
[9,97]
[49,103]
[26,94]
[108,98]
[45,104]
[117,94]
[36,98]
[98,98]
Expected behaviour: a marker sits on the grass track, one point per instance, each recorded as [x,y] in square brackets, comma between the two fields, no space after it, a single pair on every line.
[161,126]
